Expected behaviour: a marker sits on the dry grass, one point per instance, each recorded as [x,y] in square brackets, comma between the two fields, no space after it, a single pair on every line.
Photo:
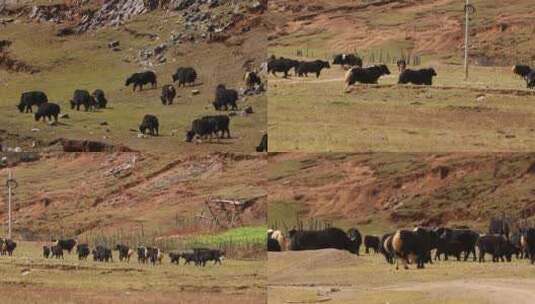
[29,278]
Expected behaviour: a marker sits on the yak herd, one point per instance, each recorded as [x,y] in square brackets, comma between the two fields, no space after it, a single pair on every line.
[100,253]
[203,128]
[420,245]
[370,75]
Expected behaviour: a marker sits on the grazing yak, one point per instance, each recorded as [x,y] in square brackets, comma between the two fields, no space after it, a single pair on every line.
[527,73]
[168,94]
[368,75]
[315,67]
[48,110]
[46,252]
[188,257]
[124,252]
[56,251]
[402,65]
[83,251]
[282,65]
[150,123]
[7,247]
[415,244]
[100,99]
[263,146]
[419,77]
[185,76]
[530,243]
[66,244]
[82,97]
[154,255]
[208,126]
[449,239]
[355,237]
[371,242]
[224,98]
[203,255]
[30,99]
[347,60]
[102,254]
[141,79]
[328,238]
[174,257]
[142,254]
[518,239]
[448,248]
[497,246]
[251,80]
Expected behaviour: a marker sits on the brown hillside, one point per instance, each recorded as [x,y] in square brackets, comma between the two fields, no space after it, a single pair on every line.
[74,193]
[404,189]
[500,34]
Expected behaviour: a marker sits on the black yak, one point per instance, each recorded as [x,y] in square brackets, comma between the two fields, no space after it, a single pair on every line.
[48,110]
[100,99]
[315,67]
[283,65]
[82,97]
[30,99]
[150,123]
[422,76]
[224,98]
[208,126]
[141,79]
[168,94]
[328,238]
[185,76]
[365,75]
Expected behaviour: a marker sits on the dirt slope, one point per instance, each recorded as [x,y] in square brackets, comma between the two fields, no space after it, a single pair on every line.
[403,189]
[500,31]
[76,193]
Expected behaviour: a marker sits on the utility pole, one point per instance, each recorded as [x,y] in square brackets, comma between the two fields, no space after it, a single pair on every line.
[9,184]
[468,10]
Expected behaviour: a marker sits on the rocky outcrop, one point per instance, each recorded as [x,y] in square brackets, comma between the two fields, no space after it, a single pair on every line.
[115,13]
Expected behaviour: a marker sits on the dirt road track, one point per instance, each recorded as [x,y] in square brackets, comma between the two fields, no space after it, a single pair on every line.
[493,291]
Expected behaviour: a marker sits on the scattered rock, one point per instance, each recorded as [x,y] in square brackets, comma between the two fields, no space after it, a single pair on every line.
[64,116]
[195,92]
[104,123]
[141,135]
[35,130]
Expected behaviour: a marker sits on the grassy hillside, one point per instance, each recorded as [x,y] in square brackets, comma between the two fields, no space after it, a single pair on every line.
[378,192]
[85,62]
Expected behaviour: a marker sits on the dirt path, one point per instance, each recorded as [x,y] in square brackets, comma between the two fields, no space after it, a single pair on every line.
[493,291]
[482,90]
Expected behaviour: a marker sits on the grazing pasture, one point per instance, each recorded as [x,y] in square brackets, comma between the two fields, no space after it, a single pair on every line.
[493,111]
[335,276]
[28,277]
[85,62]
